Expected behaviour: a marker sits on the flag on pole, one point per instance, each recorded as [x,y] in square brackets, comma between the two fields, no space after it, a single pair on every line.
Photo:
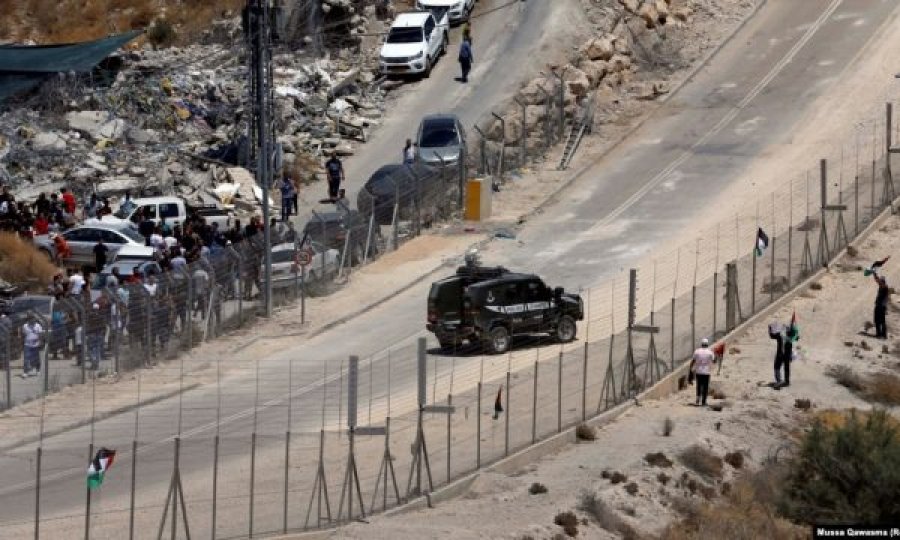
[793,331]
[875,266]
[98,467]
[498,405]
[762,242]
[719,349]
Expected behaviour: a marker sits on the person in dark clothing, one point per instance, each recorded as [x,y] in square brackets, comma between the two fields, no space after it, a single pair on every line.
[465,58]
[775,333]
[335,170]
[146,228]
[100,251]
[787,353]
[881,303]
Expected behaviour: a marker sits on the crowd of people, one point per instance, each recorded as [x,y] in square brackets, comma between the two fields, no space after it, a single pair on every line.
[95,311]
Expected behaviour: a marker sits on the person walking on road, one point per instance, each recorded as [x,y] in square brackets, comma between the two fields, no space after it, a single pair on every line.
[701,369]
[335,175]
[409,153]
[881,302]
[465,59]
[33,337]
[287,197]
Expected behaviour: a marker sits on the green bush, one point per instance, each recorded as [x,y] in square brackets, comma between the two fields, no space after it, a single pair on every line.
[846,474]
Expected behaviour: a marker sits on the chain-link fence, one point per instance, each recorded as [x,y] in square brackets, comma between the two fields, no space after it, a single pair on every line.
[294,444]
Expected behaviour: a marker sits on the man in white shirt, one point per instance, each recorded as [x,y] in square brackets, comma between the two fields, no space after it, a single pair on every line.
[701,368]
[76,283]
[33,336]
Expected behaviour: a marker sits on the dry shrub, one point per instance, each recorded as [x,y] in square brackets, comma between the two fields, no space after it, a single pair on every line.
[606,517]
[585,432]
[847,473]
[658,459]
[883,388]
[745,513]
[617,478]
[568,521]
[735,459]
[845,377]
[802,404]
[631,488]
[663,478]
[702,461]
[816,286]
[537,488]
[22,264]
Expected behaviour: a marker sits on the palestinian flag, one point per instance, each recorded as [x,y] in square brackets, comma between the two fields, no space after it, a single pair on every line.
[793,331]
[762,242]
[719,349]
[875,266]
[98,467]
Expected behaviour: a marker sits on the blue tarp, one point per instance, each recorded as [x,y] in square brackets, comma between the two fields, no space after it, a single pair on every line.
[23,67]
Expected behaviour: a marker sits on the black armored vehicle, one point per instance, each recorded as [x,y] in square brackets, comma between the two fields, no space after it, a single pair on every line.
[490,305]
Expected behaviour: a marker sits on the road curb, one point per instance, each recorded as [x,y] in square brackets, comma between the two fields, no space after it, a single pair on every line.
[97,418]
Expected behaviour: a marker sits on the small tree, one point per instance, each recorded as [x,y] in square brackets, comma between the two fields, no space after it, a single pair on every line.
[847,474]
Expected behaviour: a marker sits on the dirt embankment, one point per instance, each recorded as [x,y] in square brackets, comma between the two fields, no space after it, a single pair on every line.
[669,469]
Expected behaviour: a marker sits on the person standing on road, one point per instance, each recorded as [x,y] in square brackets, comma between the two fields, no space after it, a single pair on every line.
[33,337]
[287,197]
[465,58]
[335,170]
[881,303]
[100,251]
[96,331]
[701,369]
[409,153]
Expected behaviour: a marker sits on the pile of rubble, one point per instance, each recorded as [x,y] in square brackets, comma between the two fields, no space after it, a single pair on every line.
[603,70]
[171,121]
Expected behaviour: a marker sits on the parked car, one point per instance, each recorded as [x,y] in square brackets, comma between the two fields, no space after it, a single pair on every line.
[416,183]
[440,137]
[457,10]
[330,230]
[414,43]
[82,240]
[286,272]
[126,268]
[135,254]
[491,310]
[175,211]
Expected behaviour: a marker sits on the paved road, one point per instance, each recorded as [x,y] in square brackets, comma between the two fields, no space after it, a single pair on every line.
[782,60]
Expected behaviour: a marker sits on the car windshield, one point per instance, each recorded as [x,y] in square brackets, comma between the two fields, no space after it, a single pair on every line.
[282,256]
[405,35]
[132,234]
[439,134]
[40,304]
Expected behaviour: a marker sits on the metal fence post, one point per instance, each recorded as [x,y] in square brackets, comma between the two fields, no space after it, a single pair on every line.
[561,97]
[190,309]
[8,367]
[482,141]
[37,493]
[506,418]
[87,499]
[523,136]
[252,478]
[500,159]
[715,305]
[463,164]
[584,383]
[559,395]
[693,315]
[134,456]
[449,434]
[215,486]
[478,430]
[534,405]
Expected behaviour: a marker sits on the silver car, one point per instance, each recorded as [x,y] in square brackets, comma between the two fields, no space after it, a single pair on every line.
[285,272]
[82,240]
[440,137]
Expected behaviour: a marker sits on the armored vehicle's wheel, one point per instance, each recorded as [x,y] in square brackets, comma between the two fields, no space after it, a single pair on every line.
[498,340]
[565,329]
[447,345]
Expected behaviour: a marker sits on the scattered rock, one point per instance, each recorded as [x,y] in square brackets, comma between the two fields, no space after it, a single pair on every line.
[631,488]
[802,404]
[735,459]
[48,142]
[657,459]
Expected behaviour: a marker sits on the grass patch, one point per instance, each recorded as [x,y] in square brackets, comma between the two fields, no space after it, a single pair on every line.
[882,388]
[22,264]
[845,377]
[605,516]
[701,461]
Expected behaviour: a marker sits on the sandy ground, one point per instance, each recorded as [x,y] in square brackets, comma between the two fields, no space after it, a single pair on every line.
[755,420]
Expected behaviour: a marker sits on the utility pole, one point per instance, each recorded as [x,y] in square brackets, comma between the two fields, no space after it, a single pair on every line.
[260,40]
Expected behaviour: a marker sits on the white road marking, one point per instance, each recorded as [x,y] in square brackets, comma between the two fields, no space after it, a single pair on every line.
[732,114]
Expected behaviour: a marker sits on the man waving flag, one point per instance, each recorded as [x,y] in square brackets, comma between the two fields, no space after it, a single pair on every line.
[873,269]
[98,467]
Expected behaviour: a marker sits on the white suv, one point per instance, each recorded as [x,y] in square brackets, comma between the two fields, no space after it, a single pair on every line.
[460,10]
[414,44]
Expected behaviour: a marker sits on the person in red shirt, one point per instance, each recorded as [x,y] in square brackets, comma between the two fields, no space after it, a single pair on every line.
[68,200]
[62,248]
[41,225]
